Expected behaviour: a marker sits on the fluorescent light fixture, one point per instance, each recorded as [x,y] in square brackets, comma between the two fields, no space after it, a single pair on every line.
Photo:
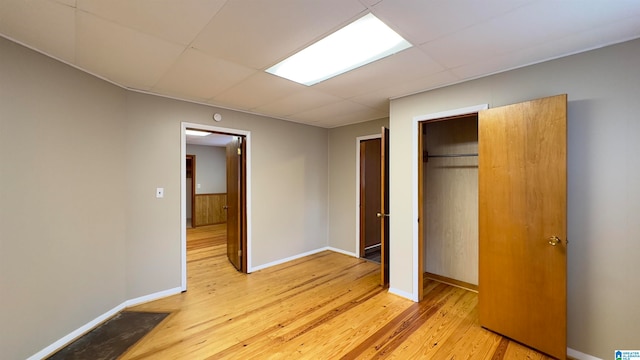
[196,132]
[359,43]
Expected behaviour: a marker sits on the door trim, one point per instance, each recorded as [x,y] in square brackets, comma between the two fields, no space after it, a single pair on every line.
[358,140]
[183,190]
[418,241]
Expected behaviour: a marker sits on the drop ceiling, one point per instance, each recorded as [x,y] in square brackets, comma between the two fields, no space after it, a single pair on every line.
[215,51]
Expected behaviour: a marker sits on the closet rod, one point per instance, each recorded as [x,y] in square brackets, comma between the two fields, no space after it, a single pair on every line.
[451,155]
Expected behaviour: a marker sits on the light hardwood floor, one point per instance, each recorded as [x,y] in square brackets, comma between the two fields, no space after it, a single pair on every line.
[324,306]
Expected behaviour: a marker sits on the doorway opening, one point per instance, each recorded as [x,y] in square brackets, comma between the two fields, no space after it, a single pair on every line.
[419,187]
[212,205]
[206,178]
[190,174]
[368,198]
[449,201]
[372,200]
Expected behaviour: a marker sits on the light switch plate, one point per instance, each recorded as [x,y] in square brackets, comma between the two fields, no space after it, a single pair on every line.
[159,193]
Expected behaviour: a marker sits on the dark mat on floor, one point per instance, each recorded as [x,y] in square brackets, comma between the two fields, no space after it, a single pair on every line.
[112,338]
[373,255]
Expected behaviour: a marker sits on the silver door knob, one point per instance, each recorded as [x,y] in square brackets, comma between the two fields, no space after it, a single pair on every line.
[382,215]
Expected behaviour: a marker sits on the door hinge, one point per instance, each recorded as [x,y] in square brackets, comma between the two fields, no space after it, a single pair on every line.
[239,253]
[239,151]
[425,156]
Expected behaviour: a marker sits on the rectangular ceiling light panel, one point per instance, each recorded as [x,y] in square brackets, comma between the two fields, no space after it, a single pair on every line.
[359,43]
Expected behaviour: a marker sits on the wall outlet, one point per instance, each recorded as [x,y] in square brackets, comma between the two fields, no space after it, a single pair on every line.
[159,193]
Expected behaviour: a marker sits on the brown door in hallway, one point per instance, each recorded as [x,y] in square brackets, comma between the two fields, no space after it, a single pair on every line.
[236,190]
[383,215]
[522,222]
[369,197]
[191,187]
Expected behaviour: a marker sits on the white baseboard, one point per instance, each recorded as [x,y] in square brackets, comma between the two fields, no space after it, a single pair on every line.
[290,258]
[152,297]
[348,253]
[404,294]
[49,350]
[75,334]
[575,354]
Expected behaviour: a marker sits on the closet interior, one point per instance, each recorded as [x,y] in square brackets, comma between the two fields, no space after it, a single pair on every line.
[450,200]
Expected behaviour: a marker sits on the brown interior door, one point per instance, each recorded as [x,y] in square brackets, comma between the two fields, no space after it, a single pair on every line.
[234,202]
[369,194]
[522,212]
[384,207]
[191,178]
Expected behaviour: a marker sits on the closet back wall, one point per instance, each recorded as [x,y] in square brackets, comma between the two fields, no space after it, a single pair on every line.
[451,199]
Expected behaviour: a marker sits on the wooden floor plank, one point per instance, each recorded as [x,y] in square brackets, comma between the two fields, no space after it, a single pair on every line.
[323,306]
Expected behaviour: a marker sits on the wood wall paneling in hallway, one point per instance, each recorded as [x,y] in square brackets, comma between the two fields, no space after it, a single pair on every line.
[209,209]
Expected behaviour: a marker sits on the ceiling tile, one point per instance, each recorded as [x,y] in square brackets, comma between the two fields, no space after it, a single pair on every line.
[258,33]
[128,57]
[303,100]
[259,89]
[176,21]
[369,2]
[200,76]
[351,118]
[401,67]
[71,3]
[420,21]
[45,25]
[524,27]
[374,99]
[340,112]
[594,37]
[531,25]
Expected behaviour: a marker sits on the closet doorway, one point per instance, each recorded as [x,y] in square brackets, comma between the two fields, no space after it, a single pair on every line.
[450,200]
[520,214]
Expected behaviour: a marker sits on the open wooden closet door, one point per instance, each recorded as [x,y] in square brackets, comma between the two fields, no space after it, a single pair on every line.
[383,215]
[523,233]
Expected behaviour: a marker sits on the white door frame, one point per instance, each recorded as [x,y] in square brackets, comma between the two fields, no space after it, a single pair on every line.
[359,139]
[415,159]
[183,191]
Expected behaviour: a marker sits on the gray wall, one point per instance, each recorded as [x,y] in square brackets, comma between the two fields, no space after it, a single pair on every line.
[81,228]
[63,195]
[211,168]
[288,185]
[342,181]
[603,176]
